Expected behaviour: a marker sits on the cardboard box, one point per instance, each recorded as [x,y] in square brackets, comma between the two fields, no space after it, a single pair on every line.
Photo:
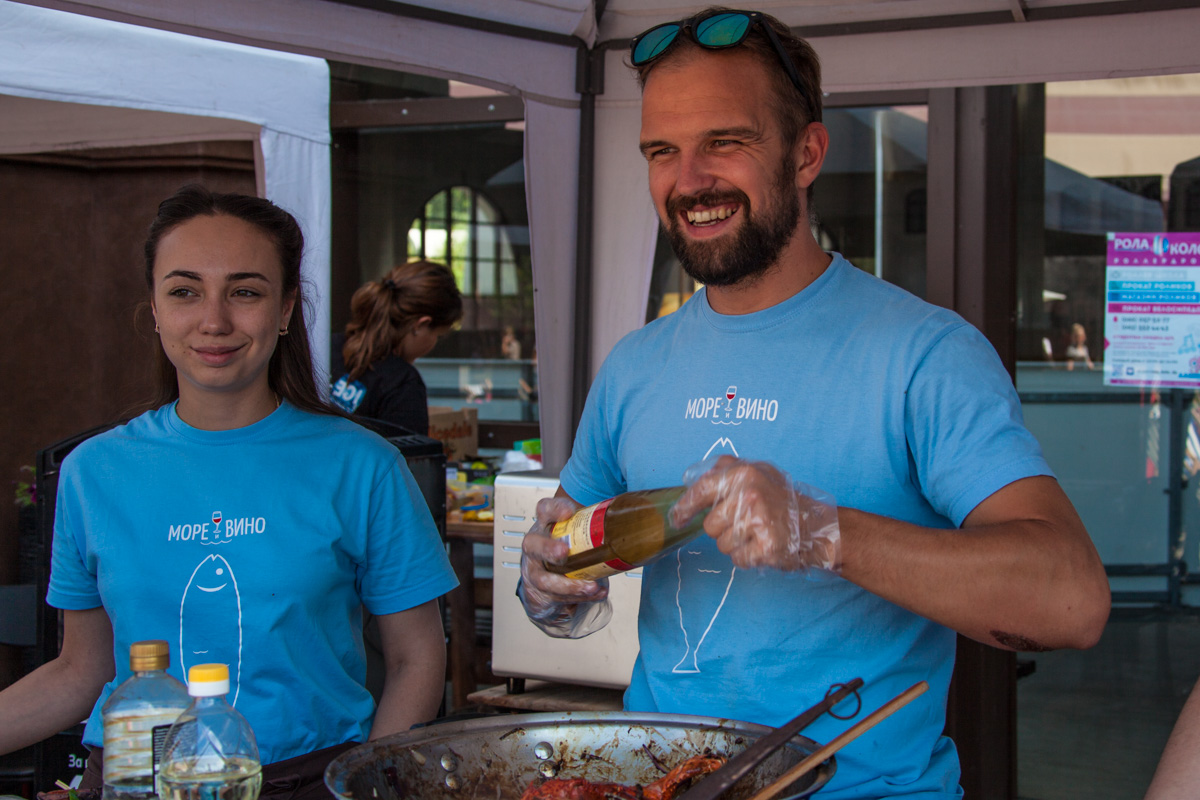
[457,429]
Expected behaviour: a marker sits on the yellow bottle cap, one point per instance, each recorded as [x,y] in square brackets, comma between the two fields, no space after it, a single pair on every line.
[208,673]
[208,680]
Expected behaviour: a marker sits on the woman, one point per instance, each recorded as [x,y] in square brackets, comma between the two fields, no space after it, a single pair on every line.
[393,322]
[241,519]
[1077,349]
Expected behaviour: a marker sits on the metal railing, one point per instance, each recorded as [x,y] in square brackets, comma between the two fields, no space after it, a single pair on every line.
[1173,567]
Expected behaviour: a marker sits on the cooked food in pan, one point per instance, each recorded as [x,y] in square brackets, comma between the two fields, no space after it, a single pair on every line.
[665,788]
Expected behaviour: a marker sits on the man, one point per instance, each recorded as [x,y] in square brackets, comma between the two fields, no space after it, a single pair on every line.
[903,499]
[1178,770]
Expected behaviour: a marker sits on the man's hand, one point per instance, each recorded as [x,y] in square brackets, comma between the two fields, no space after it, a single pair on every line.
[552,601]
[542,587]
[760,518]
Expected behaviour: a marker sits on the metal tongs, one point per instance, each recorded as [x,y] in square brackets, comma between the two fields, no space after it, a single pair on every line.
[717,783]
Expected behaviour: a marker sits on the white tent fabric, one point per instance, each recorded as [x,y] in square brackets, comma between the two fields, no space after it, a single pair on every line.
[626,226]
[537,70]
[1009,48]
[50,55]
[565,17]
[44,126]
[551,194]
[543,73]
[1088,48]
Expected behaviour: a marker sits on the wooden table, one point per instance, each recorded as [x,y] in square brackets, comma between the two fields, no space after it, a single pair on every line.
[546,696]
[462,602]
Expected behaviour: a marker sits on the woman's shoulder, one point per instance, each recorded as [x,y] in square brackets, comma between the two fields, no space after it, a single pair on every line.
[123,438]
[343,433]
[393,367]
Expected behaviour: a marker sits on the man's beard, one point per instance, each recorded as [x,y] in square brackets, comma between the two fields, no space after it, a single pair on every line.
[752,249]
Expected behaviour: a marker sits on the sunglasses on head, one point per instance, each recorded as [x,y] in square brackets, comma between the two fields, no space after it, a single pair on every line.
[713,30]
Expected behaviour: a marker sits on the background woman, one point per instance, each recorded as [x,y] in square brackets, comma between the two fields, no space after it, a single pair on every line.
[241,519]
[1077,349]
[393,322]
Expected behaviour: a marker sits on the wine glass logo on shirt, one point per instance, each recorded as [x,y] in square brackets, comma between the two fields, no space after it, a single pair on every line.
[216,518]
[730,393]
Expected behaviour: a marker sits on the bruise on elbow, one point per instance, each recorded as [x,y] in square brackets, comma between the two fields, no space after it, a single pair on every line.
[1019,643]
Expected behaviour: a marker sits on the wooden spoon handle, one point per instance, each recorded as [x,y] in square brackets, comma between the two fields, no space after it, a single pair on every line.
[863,725]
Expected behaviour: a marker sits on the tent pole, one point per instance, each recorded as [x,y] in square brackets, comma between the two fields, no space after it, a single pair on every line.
[589,83]
[400,9]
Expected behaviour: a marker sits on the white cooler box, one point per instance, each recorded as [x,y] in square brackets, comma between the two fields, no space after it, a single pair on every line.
[522,650]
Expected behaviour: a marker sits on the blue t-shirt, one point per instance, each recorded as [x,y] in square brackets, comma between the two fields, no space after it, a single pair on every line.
[255,547]
[853,386]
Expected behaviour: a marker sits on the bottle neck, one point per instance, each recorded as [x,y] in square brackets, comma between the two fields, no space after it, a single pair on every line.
[150,673]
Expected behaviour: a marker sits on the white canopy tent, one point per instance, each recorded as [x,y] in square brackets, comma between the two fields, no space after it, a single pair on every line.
[531,48]
[69,82]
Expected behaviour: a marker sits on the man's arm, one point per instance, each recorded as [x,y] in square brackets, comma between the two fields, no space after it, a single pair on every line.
[1178,772]
[61,692]
[1021,573]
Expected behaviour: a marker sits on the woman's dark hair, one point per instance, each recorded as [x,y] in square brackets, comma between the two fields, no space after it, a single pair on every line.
[382,312]
[290,370]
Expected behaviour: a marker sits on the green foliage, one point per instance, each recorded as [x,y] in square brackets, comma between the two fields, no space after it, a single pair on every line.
[27,490]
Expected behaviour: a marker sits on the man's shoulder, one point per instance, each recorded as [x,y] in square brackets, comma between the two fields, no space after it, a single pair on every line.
[865,289]
[664,327]
[872,305]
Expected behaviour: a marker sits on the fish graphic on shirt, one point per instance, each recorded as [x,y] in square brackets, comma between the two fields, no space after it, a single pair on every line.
[699,565]
[210,620]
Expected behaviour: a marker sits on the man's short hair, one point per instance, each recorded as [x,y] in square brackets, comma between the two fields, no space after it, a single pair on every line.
[792,109]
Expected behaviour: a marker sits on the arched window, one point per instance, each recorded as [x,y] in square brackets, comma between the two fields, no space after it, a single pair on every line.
[462,229]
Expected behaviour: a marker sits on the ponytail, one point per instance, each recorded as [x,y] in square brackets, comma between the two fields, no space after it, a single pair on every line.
[383,312]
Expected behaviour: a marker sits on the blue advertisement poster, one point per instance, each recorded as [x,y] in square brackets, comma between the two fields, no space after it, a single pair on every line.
[1152,319]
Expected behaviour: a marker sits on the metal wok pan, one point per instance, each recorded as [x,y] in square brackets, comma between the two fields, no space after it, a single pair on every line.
[496,758]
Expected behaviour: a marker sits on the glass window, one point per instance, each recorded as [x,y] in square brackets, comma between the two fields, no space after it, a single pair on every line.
[480,254]
[1119,156]
[870,197]
[452,193]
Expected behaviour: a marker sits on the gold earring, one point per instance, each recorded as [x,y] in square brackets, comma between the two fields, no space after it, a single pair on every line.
[283,331]
[156,327]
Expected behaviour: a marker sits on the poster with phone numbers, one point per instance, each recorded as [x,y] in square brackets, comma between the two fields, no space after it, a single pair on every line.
[1152,305]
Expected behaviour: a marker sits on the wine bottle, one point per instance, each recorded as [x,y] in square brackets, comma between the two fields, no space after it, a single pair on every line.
[622,533]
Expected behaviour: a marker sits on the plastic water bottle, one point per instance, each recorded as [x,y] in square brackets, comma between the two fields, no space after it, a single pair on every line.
[137,716]
[210,752]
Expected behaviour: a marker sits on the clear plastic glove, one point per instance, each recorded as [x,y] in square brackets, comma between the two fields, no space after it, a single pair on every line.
[760,517]
[563,607]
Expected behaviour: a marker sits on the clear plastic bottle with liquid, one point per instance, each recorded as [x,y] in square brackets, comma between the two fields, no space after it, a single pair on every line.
[210,752]
[137,716]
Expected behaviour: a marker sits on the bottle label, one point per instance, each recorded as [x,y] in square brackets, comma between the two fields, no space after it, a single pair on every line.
[158,743]
[583,532]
